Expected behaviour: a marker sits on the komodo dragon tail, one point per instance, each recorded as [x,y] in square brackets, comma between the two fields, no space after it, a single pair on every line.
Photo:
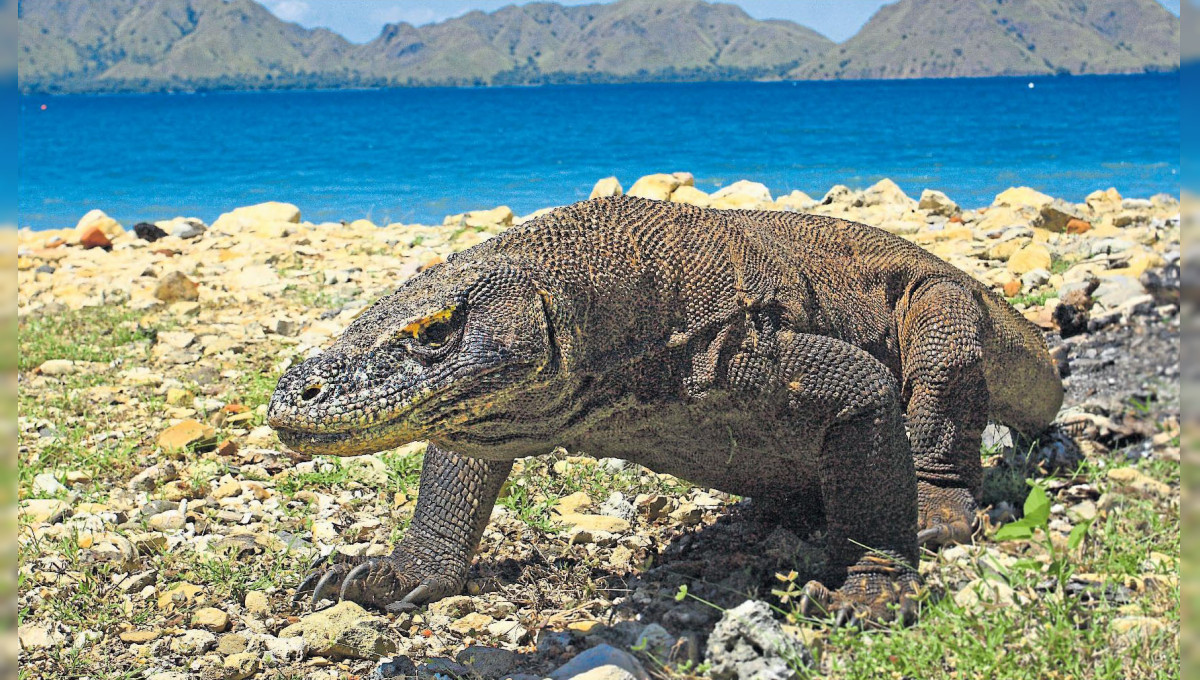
[1022,379]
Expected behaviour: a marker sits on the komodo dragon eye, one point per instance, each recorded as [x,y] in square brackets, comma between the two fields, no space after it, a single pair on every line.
[438,331]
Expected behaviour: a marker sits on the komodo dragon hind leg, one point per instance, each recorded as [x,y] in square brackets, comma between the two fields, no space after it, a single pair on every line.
[431,562]
[867,485]
[947,397]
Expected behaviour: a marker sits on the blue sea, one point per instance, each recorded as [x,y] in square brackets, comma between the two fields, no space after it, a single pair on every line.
[416,155]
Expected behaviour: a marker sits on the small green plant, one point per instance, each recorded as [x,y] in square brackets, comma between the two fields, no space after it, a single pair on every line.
[1037,516]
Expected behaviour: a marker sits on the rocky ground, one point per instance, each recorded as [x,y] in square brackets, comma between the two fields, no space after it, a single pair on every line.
[163,527]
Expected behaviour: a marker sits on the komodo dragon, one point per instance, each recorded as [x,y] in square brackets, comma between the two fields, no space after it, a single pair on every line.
[774,355]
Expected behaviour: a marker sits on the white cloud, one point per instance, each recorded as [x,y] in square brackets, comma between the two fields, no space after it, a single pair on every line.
[289,10]
[397,12]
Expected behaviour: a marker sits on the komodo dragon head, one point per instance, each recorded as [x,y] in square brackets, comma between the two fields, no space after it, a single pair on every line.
[454,345]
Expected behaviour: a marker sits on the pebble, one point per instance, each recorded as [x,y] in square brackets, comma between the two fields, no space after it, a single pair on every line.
[210,618]
[193,642]
[343,630]
[598,657]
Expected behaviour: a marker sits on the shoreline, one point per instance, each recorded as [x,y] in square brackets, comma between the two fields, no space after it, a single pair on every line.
[34,92]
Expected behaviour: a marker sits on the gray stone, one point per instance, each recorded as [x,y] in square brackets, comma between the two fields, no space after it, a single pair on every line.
[655,641]
[996,437]
[193,642]
[488,662]
[186,228]
[749,644]
[597,657]
[1117,290]
[617,506]
[398,667]
[1035,278]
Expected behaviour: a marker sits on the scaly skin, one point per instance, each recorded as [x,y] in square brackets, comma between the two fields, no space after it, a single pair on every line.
[762,353]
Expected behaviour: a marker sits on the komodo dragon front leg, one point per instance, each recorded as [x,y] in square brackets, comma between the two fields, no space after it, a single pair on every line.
[850,400]
[431,562]
[947,407]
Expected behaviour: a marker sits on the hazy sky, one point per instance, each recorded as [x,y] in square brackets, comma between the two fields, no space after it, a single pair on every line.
[361,20]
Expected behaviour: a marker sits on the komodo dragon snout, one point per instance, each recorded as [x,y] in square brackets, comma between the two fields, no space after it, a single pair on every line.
[433,355]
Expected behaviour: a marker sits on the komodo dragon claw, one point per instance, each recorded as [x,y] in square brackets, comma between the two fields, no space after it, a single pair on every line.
[881,595]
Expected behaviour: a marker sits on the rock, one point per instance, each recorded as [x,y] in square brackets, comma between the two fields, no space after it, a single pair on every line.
[691,196]
[598,657]
[796,201]
[254,216]
[258,604]
[43,510]
[885,192]
[471,624]
[487,662]
[985,593]
[58,367]
[1084,511]
[187,433]
[1115,291]
[210,618]
[1134,630]
[33,636]
[617,506]
[170,520]
[938,203]
[748,643]
[181,594]
[511,631]
[98,225]
[193,642]
[1104,201]
[148,232]
[140,637]
[240,666]
[687,514]
[1035,278]
[839,194]
[288,650]
[501,216]
[594,523]
[184,227]
[1134,480]
[398,667]
[1055,216]
[93,237]
[1077,226]
[609,186]
[753,191]
[343,630]
[233,643]
[176,287]
[1021,197]
[657,187]
[656,641]
[608,672]
[687,179]
[1032,256]
[46,484]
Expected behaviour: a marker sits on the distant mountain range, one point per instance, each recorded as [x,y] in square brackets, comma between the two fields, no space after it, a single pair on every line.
[152,45]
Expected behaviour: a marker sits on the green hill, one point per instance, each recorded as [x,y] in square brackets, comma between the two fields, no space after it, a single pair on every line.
[139,45]
[965,38]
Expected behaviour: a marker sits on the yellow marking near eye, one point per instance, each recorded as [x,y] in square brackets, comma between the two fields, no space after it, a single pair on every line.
[421,324]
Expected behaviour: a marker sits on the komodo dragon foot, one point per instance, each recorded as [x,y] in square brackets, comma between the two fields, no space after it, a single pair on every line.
[396,583]
[946,515]
[877,591]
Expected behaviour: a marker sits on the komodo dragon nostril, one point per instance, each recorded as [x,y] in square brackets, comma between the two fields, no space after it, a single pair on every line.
[311,392]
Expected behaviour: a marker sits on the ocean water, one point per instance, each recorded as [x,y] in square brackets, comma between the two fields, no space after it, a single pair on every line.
[416,155]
